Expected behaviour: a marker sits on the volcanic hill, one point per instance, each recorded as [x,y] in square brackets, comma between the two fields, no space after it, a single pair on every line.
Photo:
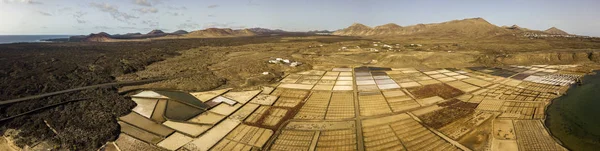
[556,31]
[472,27]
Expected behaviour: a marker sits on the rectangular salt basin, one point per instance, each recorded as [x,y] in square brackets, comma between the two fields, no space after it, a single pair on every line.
[365,82]
[343,88]
[296,86]
[146,124]
[388,86]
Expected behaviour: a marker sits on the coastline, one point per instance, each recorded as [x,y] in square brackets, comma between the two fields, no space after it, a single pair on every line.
[546,124]
[30,39]
[545,121]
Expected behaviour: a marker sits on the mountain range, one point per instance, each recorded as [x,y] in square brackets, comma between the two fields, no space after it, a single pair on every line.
[266,30]
[210,32]
[219,32]
[472,27]
[466,28]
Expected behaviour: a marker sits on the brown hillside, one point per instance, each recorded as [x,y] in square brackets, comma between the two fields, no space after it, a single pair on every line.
[555,31]
[473,27]
[100,37]
[154,32]
[220,32]
[387,29]
[355,29]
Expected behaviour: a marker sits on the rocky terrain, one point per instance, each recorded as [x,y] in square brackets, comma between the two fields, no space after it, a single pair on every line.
[32,69]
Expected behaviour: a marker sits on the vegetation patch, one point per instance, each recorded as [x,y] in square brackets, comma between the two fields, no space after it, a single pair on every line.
[454,109]
[443,90]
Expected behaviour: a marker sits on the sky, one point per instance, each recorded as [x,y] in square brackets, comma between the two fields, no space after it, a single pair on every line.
[78,17]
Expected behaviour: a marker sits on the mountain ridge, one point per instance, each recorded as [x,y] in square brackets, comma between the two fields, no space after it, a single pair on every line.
[469,27]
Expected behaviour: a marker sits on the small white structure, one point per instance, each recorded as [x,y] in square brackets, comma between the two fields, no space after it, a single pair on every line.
[295,63]
[283,61]
[265,73]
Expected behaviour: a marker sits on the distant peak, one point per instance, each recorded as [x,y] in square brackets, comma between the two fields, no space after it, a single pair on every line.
[554,30]
[478,19]
[101,33]
[514,27]
[180,32]
[156,31]
[389,26]
[359,25]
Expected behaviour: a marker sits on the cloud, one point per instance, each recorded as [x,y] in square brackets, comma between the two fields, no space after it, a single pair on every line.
[213,6]
[114,12]
[147,10]
[211,15]
[150,23]
[223,25]
[142,2]
[189,26]
[44,13]
[79,14]
[65,9]
[23,1]
[126,27]
[102,27]
[175,14]
[176,8]
[250,3]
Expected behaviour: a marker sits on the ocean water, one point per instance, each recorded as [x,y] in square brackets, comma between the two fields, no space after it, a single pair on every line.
[574,118]
[4,39]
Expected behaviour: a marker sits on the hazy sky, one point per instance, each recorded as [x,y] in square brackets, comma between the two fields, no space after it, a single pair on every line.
[122,16]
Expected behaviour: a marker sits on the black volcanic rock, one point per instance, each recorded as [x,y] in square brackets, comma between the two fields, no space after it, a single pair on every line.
[132,34]
[320,31]
[155,32]
[180,32]
[99,37]
[265,30]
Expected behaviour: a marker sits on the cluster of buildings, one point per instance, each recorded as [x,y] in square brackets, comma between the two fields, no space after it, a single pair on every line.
[285,61]
[535,35]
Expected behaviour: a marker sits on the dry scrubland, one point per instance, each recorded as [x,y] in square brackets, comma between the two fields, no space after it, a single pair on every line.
[205,64]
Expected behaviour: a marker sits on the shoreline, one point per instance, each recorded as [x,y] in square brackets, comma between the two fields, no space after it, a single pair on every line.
[545,122]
